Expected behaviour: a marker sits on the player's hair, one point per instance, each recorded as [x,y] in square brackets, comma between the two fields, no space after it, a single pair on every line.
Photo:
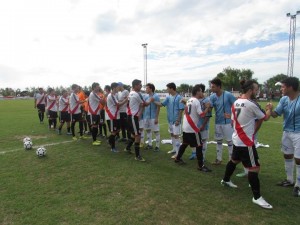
[247,85]
[50,90]
[171,86]
[202,86]
[87,93]
[291,82]
[63,91]
[196,89]
[151,86]
[216,81]
[114,85]
[107,88]
[94,85]
[136,82]
[74,86]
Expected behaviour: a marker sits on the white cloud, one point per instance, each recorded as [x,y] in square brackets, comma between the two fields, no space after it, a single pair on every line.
[52,42]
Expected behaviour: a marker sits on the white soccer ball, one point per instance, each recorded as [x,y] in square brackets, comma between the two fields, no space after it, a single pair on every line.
[41,151]
[26,139]
[27,145]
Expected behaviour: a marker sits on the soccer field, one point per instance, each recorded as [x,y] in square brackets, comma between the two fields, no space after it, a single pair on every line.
[77,183]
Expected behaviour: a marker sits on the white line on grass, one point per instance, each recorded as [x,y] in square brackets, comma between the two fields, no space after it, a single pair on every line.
[45,145]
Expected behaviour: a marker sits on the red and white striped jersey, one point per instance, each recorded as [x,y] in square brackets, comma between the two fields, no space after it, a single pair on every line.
[51,103]
[244,114]
[63,104]
[74,104]
[191,116]
[135,100]
[112,106]
[94,104]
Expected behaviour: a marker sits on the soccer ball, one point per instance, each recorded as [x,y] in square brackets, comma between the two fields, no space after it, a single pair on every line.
[26,139]
[27,145]
[41,151]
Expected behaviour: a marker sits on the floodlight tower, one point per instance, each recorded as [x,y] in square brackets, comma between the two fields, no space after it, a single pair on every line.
[145,62]
[291,43]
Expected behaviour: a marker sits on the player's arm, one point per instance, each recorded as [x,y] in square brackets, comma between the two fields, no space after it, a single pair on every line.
[157,114]
[258,124]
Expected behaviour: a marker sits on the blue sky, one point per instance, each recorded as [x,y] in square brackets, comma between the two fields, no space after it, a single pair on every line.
[61,42]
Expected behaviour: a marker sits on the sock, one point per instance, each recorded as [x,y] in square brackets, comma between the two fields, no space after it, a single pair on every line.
[149,137]
[177,145]
[246,170]
[204,147]
[254,182]
[230,167]
[54,123]
[289,169]
[130,143]
[219,149]
[112,140]
[94,133]
[199,156]
[230,147]
[73,128]
[50,122]
[40,116]
[157,138]
[142,141]
[173,143]
[193,151]
[181,151]
[81,128]
[297,175]
[137,149]
[68,129]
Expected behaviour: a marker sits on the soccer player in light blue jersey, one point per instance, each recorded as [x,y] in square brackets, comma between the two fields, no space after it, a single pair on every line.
[222,101]
[289,107]
[174,114]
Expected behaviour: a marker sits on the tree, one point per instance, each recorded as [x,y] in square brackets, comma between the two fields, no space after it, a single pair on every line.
[231,78]
[184,88]
[270,83]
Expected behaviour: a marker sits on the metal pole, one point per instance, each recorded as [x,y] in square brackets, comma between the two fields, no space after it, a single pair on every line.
[145,62]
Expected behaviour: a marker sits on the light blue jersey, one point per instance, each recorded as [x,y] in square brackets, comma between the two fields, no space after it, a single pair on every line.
[222,104]
[203,101]
[291,113]
[150,110]
[174,105]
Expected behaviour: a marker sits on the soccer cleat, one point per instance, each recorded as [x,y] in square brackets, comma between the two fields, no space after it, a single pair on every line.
[228,184]
[127,150]
[148,147]
[114,150]
[285,183]
[141,145]
[96,143]
[59,132]
[243,174]
[193,156]
[262,203]
[75,138]
[173,156]
[179,161]
[296,191]
[69,133]
[172,151]
[217,162]
[156,149]
[204,169]
[140,158]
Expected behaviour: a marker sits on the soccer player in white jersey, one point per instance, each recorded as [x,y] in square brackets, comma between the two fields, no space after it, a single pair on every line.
[289,107]
[222,101]
[134,111]
[123,94]
[64,115]
[150,116]
[52,108]
[174,113]
[94,102]
[244,112]
[75,112]
[39,103]
[191,133]
[112,110]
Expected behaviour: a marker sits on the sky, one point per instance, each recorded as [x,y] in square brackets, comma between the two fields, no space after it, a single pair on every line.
[61,42]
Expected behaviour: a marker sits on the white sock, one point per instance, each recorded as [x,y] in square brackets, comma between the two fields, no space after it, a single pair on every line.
[177,145]
[157,137]
[297,175]
[219,149]
[204,146]
[230,147]
[173,143]
[289,169]
[142,137]
[245,170]
[149,137]
[193,150]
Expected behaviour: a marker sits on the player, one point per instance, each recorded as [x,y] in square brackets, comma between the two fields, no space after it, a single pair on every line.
[39,103]
[64,115]
[52,108]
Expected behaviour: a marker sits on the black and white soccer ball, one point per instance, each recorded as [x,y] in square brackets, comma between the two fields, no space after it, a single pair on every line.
[26,139]
[27,145]
[41,151]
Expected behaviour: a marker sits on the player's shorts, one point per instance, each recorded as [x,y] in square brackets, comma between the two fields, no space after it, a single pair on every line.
[175,130]
[64,117]
[290,144]
[76,117]
[41,107]
[247,155]
[204,134]
[133,125]
[94,119]
[192,139]
[113,125]
[52,114]
[223,131]
[149,124]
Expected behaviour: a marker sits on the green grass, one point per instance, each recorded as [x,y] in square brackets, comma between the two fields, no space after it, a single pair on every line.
[77,183]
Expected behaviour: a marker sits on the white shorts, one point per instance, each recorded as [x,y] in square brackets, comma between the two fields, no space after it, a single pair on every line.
[204,134]
[291,144]
[141,124]
[175,130]
[223,131]
[149,124]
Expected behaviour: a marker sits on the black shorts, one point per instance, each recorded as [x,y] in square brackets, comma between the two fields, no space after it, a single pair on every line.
[192,139]
[64,117]
[113,125]
[247,155]
[76,117]
[52,114]
[94,119]
[102,116]
[133,125]
[41,107]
